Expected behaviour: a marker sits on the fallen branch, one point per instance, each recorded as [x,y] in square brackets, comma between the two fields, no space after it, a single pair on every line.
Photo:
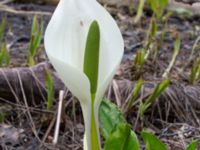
[174,99]
[33,82]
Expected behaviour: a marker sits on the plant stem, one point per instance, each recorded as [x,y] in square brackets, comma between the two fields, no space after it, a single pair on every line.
[31,61]
[95,142]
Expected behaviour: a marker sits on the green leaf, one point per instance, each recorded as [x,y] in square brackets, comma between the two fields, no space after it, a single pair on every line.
[113,123]
[91,58]
[110,116]
[193,145]
[133,142]
[122,138]
[152,142]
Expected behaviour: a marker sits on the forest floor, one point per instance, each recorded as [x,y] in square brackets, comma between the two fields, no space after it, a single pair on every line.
[174,117]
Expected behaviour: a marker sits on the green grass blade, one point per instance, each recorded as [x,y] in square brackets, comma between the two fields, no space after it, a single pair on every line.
[4,56]
[158,90]
[154,29]
[194,48]
[135,94]
[195,72]
[50,89]
[35,25]
[140,10]
[3,29]
[177,46]
[156,93]
[2,117]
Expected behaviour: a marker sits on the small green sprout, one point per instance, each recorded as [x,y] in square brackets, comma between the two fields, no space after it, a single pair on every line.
[195,72]
[4,56]
[36,37]
[151,34]
[50,89]
[177,46]
[139,63]
[2,117]
[154,29]
[194,47]
[2,29]
[140,10]
[152,44]
[140,59]
[158,7]
[151,99]
[135,94]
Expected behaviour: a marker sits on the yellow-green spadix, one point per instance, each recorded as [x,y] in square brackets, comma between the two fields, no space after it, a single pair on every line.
[85,46]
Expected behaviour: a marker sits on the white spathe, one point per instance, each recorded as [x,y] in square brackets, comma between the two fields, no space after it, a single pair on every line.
[65,41]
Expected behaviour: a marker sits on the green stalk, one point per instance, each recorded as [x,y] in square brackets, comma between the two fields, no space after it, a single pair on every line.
[95,145]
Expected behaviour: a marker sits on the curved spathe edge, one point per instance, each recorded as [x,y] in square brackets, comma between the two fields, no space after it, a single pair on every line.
[74,79]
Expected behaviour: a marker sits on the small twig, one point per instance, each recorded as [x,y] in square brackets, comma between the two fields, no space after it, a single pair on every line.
[117,94]
[39,84]
[5,2]
[21,12]
[49,129]
[26,104]
[61,97]
[32,109]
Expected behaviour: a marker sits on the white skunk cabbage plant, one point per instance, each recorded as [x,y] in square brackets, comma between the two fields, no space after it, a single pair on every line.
[85,46]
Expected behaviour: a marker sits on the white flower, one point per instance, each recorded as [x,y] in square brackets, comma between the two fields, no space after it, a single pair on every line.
[65,41]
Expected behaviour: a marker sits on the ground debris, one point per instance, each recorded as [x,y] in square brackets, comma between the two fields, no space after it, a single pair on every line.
[11,136]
